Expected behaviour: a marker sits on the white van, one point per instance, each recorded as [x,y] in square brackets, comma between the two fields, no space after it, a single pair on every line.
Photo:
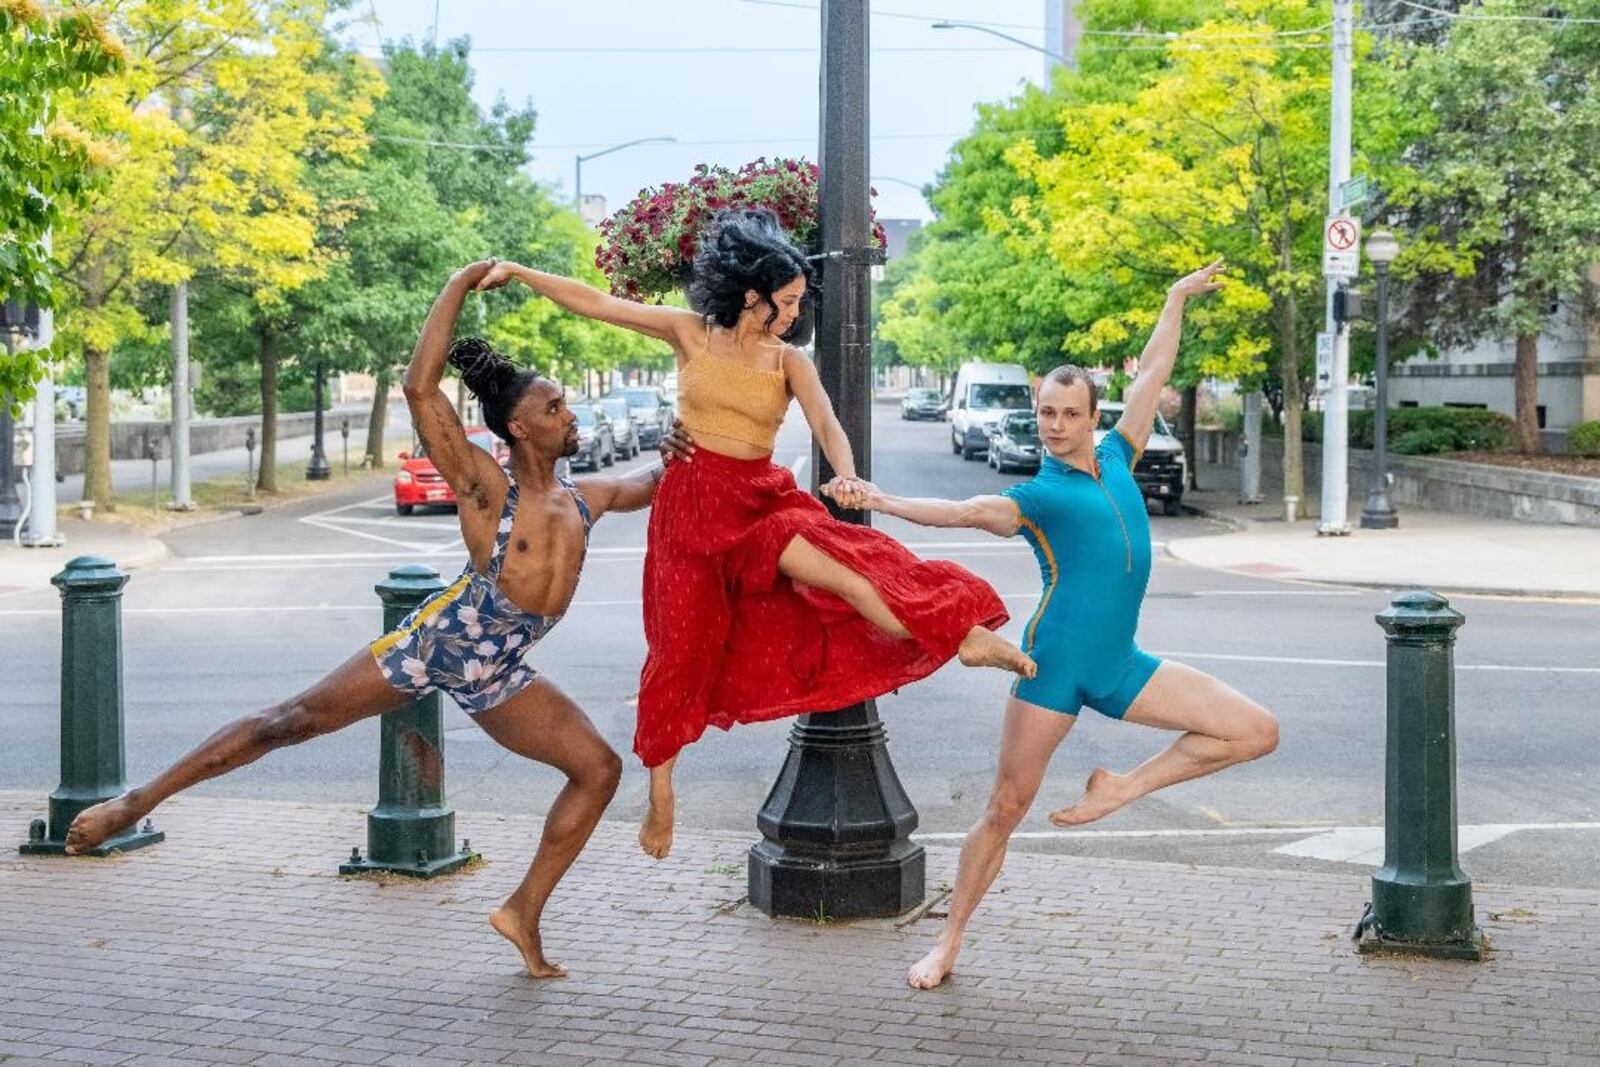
[984,394]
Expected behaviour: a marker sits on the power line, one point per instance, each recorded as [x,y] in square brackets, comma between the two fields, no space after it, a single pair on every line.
[1460,17]
[451,144]
[911,16]
[1160,34]
[721,50]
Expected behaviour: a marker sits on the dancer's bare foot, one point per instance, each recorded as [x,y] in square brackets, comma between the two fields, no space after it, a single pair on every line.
[985,648]
[655,833]
[931,969]
[509,926]
[1104,794]
[94,826]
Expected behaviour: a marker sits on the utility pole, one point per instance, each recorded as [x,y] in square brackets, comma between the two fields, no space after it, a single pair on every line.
[1335,401]
[42,532]
[182,498]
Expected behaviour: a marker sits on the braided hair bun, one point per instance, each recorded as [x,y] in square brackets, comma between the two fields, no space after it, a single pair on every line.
[493,379]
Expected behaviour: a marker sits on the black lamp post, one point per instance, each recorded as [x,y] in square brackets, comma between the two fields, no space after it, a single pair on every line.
[836,826]
[1378,512]
[318,470]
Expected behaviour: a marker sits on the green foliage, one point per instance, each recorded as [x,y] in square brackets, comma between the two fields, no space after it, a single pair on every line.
[1496,186]
[1427,430]
[47,164]
[1423,442]
[1585,438]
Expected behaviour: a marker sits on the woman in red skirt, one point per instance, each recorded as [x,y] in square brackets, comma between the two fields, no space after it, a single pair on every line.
[758,604]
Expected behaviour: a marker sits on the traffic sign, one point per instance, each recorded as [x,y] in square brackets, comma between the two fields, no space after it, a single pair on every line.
[1354,191]
[1341,247]
[1324,361]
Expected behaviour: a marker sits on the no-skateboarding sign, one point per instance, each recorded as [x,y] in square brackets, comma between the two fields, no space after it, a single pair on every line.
[1341,247]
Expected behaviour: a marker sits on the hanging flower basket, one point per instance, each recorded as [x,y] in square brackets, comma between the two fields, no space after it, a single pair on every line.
[647,248]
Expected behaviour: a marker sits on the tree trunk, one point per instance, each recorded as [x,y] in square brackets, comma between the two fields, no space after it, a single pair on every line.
[267,473]
[1294,478]
[1187,416]
[1527,393]
[375,427]
[97,431]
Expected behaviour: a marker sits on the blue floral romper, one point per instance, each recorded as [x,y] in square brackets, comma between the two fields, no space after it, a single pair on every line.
[470,639]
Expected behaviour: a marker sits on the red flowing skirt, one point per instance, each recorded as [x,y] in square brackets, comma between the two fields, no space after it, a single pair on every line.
[731,640]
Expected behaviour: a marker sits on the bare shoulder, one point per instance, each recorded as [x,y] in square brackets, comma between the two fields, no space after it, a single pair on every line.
[797,366]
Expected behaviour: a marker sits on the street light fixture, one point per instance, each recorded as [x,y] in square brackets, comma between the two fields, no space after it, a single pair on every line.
[1378,513]
[578,161]
[1057,56]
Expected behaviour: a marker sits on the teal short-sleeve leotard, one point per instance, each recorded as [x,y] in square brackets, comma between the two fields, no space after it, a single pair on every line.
[1091,536]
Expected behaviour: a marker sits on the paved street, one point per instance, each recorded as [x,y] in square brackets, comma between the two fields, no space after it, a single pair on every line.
[248,610]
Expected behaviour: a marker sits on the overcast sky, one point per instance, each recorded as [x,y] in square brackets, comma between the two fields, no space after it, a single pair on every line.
[730,79]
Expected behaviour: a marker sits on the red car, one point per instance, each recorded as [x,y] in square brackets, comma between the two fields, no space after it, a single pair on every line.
[419,481]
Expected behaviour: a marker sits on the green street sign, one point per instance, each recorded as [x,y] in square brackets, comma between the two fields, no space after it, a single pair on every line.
[1354,191]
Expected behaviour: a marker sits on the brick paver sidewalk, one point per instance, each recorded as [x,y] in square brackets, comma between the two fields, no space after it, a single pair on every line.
[236,942]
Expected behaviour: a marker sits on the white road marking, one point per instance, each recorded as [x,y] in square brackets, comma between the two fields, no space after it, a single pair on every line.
[1317,662]
[391,520]
[1279,592]
[411,546]
[1359,838]
[1364,844]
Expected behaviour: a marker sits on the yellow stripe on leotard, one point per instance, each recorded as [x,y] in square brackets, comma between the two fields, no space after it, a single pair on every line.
[432,608]
[1055,573]
[1137,452]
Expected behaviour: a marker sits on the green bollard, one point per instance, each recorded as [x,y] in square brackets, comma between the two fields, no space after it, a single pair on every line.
[92,765]
[410,832]
[1421,900]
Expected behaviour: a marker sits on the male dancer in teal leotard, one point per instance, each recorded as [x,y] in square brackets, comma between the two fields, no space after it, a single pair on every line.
[1085,518]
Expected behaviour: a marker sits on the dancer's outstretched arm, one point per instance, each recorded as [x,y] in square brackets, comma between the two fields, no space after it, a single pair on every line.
[625,492]
[998,515]
[1159,355]
[678,327]
[466,467]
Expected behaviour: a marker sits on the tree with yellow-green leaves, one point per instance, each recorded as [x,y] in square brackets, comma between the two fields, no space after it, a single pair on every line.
[46,163]
[1222,151]
[214,120]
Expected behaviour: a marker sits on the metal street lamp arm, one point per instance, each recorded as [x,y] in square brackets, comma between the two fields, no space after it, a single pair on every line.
[1057,56]
[625,144]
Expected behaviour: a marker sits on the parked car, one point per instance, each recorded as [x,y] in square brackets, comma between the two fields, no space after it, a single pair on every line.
[922,404]
[420,483]
[984,394]
[650,410]
[1162,468]
[623,428]
[597,446]
[1014,443]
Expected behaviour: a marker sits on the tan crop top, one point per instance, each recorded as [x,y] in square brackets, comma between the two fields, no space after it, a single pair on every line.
[729,399]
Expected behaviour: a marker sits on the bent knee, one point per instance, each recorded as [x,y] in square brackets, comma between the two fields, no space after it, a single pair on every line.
[601,773]
[1262,739]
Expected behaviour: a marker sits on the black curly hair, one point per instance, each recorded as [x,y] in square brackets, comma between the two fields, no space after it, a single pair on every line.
[493,379]
[745,249]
